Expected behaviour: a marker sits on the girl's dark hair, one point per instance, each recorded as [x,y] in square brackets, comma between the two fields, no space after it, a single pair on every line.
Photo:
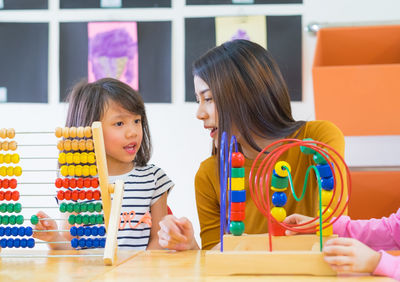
[88,103]
[249,91]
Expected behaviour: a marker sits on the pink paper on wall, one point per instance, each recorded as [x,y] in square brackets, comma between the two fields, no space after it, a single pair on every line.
[113,52]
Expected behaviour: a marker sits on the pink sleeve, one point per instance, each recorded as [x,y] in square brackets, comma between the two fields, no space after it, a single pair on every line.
[379,234]
[388,266]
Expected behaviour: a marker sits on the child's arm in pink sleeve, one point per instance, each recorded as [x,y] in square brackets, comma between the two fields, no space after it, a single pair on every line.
[378,234]
[388,266]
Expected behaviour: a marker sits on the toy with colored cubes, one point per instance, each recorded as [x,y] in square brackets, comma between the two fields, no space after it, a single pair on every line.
[270,185]
[238,195]
[83,192]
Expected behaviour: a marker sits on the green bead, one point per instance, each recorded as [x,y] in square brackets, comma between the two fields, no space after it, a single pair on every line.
[63,207]
[92,219]
[12,220]
[71,219]
[4,220]
[237,172]
[17,208]
[279,182]
[319,159]
[83,207]
[1,219]
[3,208]
[98,207]
[70,207]
[77,208]
[236,228]
[10,208]
[91,207]
[34,219]
[306,150]
[20,219]
[78,219]
[99,219]
[85,219]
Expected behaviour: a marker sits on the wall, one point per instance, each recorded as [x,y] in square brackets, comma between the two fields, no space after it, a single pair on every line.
[180,141]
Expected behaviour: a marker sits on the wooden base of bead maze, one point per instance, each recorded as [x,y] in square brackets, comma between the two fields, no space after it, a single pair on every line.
[249,254]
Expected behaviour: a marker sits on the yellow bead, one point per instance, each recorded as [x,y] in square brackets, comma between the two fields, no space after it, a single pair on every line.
[93,170]
[67,145]
[10,171]
[60,145]
[80,132]
[1,158]
[61,158]
[278,213]
[64,170]
[280,171]
[326,197]
[15,158]
[11,133]
[69,158]
[72,132]
[3,171]
[78,170]
[71,170]
[89,145]
[77,158]
[65,132]
[58,132]
[84,158]
[82,145]
[85,170]
[75,145]
[91,158]
[17,171]
[13,145]
[7,158]
[3,133]
[327,212]
[278,189]
[4,146]
[88,132]
[237,184]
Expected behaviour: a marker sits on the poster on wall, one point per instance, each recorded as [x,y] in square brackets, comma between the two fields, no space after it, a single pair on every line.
[251,28]
[113,52]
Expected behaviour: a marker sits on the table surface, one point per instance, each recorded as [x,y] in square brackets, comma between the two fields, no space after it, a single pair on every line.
[130,265]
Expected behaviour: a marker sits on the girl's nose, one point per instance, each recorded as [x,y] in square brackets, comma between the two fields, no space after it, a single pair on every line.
[131,131]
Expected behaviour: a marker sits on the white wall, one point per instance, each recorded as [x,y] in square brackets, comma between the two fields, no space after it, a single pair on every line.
[180,141]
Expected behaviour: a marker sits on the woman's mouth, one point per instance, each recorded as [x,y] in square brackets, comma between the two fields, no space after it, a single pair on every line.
[213,132]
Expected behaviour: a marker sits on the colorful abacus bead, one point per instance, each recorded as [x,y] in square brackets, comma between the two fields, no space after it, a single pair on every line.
[238,204]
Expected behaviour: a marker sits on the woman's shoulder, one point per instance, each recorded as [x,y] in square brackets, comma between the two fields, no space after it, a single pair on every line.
[320,130]
[208,165]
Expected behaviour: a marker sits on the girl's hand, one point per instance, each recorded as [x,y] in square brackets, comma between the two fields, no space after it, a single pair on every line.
[47,224]
[350,255]
[176,234]
[296,219]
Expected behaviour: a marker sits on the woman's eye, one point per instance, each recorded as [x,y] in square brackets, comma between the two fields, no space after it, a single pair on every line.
[208,99]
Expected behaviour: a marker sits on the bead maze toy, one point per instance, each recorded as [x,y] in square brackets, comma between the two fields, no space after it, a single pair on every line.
[275,253]
[83,156]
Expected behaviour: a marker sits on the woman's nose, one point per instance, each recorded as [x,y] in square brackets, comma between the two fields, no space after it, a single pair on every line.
[201,114]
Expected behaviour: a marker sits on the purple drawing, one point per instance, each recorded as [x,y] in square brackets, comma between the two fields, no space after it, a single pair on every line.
[240,34]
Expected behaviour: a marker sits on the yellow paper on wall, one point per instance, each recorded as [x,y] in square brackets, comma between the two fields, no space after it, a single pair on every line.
[252,28]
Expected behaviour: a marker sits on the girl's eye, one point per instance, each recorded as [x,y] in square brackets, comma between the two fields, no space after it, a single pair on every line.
[120,123]
[137,121]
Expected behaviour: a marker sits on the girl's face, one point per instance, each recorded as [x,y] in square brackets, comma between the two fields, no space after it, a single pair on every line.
[207,111]
[123,134]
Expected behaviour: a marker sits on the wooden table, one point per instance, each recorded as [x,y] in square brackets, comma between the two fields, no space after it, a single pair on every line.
[140,266]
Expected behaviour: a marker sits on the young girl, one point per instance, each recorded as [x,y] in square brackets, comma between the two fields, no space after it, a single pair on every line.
[128,146]
[240,90]
[351,254]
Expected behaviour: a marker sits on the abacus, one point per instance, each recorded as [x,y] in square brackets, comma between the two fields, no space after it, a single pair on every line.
[298,254]
[82,156]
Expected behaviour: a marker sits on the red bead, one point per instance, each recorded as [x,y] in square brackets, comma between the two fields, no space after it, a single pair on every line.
[95,182]
[237,216]
[75,195]
[58,183]
[237,159]
[89,195]
[60,195]
[86,182]
[65,183]
[79,182]
[237,207]
[82,195]
[13,183]
[67,195]
[1,195]
[276,229]
[96,195]
[7,196]
[15,195]
[4,183]
[72,183]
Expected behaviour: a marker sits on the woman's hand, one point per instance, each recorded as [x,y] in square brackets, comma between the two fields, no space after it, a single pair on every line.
[177,234]
[350,255]
[296,219]
[43,225]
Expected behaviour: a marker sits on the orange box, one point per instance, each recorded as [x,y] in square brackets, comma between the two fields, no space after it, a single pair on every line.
[356,76]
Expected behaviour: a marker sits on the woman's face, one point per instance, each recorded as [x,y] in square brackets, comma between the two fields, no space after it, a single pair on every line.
[207,111]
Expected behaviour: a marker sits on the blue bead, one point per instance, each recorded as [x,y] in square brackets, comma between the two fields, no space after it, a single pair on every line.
[73,231]
[80,231]
[89,243]
[14,231]
[74,243]
[21,231]
[17,242]
[24,242]
[10,243]
[279,199]
[31,243]
[102,231]
[28,231]
[8,231]
[96,242]
[81,243]
[3,243]
[2,231]
[88,231]
[327,183]
[102,242]
[238,196]
[95,230]
[324,170]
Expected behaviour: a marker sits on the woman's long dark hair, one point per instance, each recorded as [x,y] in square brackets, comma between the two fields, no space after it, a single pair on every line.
[88,103]
[249,91]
